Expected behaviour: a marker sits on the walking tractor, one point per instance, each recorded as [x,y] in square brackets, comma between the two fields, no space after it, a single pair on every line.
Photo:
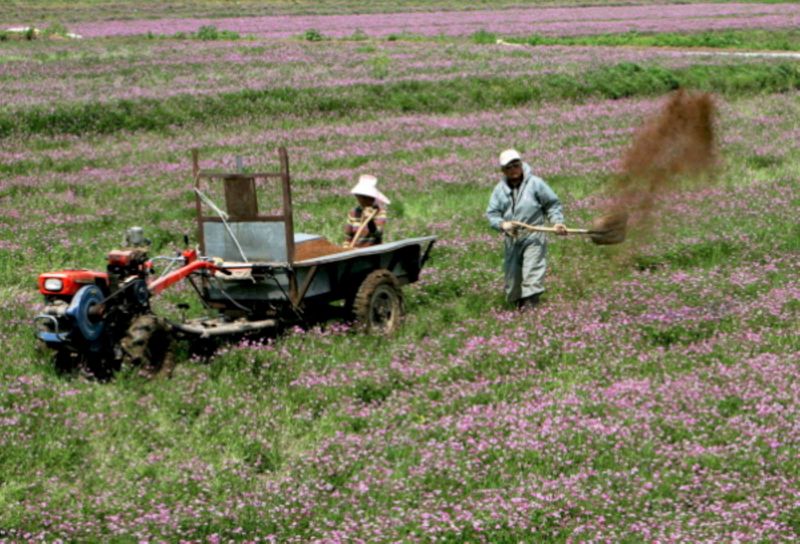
[251,271]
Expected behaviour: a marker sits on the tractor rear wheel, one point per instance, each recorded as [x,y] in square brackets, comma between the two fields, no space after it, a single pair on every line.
[378,305]
[146,345]
[66,361]
[92,365]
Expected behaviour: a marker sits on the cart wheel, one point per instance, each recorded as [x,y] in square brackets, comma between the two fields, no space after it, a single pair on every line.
[146,345]
[378,306]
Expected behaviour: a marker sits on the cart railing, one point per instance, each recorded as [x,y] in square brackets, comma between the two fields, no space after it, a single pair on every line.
[266,237]
[241,232]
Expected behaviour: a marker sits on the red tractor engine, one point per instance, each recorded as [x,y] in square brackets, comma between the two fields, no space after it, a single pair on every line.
[89,312]
[103,319]
[67,282]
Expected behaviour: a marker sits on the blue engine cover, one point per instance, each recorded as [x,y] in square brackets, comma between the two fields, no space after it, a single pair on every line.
[78,311]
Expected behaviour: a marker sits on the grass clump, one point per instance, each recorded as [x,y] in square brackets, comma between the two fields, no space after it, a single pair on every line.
[313,35]
[204,33]
[379,66]
[211,33]
[55,29]
[484,37]
[359,35]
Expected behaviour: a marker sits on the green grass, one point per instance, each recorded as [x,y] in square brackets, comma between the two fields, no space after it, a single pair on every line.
[775,40]
[462,94]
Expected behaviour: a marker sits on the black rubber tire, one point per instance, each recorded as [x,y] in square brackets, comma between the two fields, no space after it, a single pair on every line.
[378,305]
[99,366]
[146,345]
[66,362]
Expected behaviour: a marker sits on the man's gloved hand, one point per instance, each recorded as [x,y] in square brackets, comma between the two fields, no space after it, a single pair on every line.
[561,229]
[508,228]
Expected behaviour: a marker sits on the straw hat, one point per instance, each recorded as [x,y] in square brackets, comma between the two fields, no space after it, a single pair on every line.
[366,186]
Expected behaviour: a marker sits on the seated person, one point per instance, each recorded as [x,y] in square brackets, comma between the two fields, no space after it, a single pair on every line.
[365,222]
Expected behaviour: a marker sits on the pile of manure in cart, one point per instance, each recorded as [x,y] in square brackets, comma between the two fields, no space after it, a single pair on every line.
[316,248]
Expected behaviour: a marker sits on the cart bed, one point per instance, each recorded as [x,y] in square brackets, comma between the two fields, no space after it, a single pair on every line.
[321,279]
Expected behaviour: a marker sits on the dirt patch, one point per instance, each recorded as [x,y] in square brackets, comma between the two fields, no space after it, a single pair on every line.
[315,248]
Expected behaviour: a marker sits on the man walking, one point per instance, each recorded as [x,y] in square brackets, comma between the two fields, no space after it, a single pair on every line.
[521,196]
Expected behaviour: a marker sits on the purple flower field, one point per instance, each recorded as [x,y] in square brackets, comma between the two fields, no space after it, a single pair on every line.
[541,20]
[653,397]
[100,72]
[661,406]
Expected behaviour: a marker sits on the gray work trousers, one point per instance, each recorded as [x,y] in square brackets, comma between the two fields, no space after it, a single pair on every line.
[524,266]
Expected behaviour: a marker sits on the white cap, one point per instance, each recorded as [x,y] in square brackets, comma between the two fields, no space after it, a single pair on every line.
[509,155]
[366,186]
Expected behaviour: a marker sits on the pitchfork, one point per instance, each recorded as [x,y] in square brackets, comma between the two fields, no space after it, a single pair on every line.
[606,229]
[361,228]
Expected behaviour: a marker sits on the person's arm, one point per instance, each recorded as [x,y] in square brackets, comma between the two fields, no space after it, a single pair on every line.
[494,212]
[351,226]
[377,225]
[551,204]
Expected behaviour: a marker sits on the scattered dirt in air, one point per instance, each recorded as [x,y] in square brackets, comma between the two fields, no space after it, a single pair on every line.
[674,149]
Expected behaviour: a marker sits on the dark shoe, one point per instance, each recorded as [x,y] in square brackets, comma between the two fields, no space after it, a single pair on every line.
[528,303]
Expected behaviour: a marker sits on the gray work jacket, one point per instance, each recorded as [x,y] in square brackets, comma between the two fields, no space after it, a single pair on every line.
[532,203]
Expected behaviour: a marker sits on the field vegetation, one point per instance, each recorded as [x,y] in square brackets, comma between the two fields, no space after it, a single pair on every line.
[85,10]
[654,396]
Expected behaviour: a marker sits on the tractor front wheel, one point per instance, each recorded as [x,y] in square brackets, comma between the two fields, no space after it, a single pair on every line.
[378,305]
[147,345]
